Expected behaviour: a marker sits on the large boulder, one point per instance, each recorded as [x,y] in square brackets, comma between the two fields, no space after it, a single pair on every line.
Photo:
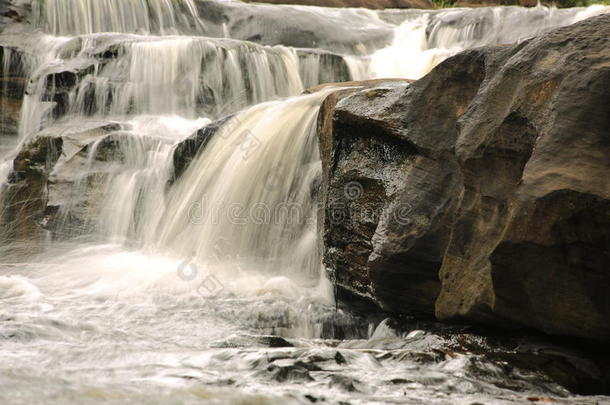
[487,186]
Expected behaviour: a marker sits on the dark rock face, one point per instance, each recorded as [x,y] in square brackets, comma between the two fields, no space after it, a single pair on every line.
[26,195]
[488,181]
[13,82]
[13,11]
[189,149]
[379,242]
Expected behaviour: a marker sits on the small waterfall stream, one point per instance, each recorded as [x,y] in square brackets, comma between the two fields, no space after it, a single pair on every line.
[148,287]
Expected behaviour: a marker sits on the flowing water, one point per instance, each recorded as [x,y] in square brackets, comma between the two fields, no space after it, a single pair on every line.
[141,287]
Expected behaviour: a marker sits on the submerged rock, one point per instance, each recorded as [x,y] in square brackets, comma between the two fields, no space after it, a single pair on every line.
[480,192]
[293,373]
[252,341]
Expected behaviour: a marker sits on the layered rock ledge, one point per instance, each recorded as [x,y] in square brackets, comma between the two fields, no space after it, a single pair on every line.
[479,193]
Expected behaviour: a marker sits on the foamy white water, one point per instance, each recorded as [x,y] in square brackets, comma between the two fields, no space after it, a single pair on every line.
[272,222]
[423,41]
[65,17]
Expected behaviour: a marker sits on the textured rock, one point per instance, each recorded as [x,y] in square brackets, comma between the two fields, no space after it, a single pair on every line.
[13,81]
[383,240]
[188,149]
[25,197]
[488,181]
[368,170]
[45,176]
[296,26]
[13,11]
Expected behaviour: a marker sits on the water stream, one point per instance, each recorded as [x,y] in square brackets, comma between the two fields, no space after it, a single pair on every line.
[210,287]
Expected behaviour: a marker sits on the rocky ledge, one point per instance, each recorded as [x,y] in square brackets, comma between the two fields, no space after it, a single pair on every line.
[479,193]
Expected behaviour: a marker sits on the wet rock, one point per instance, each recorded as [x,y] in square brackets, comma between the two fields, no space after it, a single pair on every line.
[45,174]
[253,341]
[364,163]
[534,358]
[483,185]
[327,356]
[344,324]
[307,366]
[59,83]
[400,381]
[289,373]
[294,26]
[13,11]
[339,358]
[25,197]
[189,149]
[311,398]
[13,81]
[345,383]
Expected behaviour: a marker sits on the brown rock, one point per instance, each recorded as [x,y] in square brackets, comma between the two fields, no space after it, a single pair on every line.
[489,182]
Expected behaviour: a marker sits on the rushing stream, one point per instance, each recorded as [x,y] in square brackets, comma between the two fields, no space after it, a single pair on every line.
[209,287]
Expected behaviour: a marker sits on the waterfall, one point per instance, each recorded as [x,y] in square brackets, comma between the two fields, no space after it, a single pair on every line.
[112,186]
[69,17]
[114,76]
[160,88]
[137,69]
[190,76]
[269,226]
[423,41]
[158,204]
[37,102]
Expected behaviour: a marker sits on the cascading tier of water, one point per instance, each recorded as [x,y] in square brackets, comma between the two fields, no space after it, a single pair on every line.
[125,279]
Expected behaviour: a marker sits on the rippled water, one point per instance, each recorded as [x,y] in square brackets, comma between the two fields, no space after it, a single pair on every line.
[105,325]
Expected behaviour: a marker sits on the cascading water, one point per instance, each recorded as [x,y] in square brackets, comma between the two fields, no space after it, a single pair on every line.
[269,226]
[189,76]
[151,285]
[62,17]
[425,40]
